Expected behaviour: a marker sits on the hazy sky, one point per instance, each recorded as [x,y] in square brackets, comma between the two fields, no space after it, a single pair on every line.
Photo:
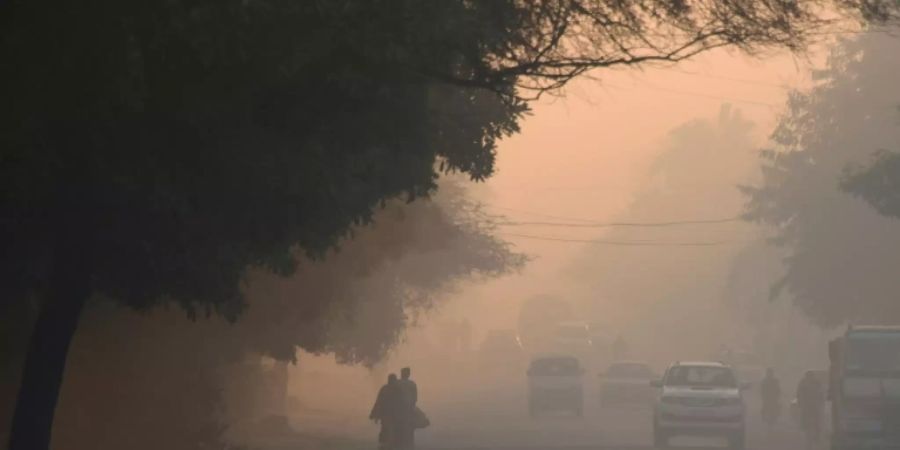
[584,155]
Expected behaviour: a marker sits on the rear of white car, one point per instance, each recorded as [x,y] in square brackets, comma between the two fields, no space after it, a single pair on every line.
[555,383]
[699,399]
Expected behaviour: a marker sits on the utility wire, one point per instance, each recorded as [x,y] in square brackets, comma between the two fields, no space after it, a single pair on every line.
[538,214]
[593,223]
[619,243]
[623,224]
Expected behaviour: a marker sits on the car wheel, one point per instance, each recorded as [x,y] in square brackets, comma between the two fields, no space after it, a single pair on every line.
[737,441]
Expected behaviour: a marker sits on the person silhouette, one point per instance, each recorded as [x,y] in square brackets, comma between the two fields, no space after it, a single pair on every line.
[409,395]
[387,412]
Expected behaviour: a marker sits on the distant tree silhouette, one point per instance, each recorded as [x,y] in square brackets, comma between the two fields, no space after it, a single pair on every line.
[154,151]
[840,255]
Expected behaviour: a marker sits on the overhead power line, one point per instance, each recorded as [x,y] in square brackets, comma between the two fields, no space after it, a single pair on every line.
[623,224]
[594,223]
[620,243]
[539,214]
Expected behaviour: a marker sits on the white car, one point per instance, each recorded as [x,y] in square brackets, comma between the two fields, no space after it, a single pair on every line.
[699,399]
[555,383]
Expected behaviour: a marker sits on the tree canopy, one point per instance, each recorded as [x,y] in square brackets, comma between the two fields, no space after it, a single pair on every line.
[840,255]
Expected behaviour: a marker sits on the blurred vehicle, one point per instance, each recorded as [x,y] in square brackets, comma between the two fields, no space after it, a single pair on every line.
[864,388]
[601,340]
[699,399]
[538,317]
[501,350]
[574,338]
[555,383]
[626,382]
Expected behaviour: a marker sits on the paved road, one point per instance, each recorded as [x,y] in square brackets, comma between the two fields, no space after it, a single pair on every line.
[496,419]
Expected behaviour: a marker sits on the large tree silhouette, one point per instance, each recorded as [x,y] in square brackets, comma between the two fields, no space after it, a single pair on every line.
[840,255]
[154,151]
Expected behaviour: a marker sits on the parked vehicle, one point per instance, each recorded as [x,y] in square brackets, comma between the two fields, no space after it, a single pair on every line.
[626,382]
[555,383]
[864,388]
[699,398]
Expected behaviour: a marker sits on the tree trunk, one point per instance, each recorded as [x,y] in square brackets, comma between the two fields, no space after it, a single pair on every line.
[68,290]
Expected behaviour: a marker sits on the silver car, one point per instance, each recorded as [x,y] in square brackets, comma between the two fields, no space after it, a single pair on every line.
[699,399]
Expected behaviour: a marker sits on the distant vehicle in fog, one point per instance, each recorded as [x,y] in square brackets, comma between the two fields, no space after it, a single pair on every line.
[537,318]
[626,382]
[574,338]
[699,399]
[555,383]
[864,388]
[601,339]
[501,349]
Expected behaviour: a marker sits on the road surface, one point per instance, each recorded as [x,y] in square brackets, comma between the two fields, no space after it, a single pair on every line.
[494,416]
[497,418]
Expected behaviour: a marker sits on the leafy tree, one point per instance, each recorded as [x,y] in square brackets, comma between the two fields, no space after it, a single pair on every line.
[878,182]
[840,254]
[154,151]
[402,265]
[693,178]
[183,383]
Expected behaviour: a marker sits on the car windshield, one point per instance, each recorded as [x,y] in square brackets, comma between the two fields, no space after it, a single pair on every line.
[572,332]
[873,352]
[701,376]
[555,366]
[629,371]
